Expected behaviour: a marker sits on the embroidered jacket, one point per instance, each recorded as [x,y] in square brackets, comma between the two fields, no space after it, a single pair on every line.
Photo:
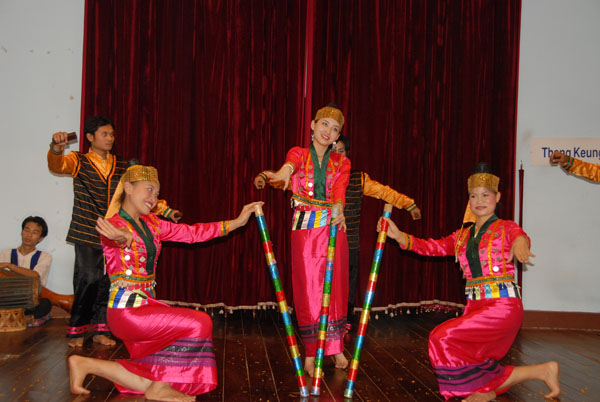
[584,169]
[303,179]
[488,270]
[132,269]
[94,183]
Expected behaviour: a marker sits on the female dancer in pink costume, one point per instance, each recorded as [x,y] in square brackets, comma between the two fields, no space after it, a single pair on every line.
[465,351]
[318,179]
[171,349]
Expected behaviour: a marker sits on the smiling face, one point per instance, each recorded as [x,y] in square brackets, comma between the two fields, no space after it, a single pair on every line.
[326,131]
[141,197]
[482,201]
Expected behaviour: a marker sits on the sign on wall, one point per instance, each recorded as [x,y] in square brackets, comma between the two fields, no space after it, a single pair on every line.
[586,149]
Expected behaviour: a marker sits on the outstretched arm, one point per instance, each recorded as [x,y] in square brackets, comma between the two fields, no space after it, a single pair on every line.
[261,180]
[120,236]
[244,215]
[377,190]
[577,167]
[520,249]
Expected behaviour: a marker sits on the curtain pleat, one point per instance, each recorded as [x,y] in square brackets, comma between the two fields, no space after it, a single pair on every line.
[212,92]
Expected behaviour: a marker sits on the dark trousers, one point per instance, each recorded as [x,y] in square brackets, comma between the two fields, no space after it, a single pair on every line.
[91,286]
[41,310]
[353,278]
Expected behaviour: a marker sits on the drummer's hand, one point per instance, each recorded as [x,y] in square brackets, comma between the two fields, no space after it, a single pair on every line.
[6,265]
[121,236]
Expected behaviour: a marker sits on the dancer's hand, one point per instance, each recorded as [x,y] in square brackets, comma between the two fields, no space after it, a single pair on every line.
[558,157]
[282,175]
[337,210]
[340,220]
[393,232]
[243,217]
[520,249]
[121,236]
[415,214]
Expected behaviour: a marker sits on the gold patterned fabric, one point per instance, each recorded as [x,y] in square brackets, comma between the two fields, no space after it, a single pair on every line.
[483,180]
[328,111]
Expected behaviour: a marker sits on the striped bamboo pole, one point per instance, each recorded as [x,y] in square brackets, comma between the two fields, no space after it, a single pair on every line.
[325,301]
[281,301]
[364,316]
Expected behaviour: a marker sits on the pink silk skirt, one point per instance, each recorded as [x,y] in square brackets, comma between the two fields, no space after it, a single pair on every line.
[465,351]
[167,344]
[309,257]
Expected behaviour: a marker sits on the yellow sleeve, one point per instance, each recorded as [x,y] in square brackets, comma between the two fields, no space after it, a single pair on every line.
[63,164]
[162,208]
[584,169]
[386,193]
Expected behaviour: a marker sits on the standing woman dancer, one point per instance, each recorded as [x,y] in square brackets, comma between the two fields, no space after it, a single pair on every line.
[171,350]
[465,351]
[318,178]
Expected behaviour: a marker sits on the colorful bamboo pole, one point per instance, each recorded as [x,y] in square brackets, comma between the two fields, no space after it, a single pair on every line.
[283,307]
[325,301]
[364,316]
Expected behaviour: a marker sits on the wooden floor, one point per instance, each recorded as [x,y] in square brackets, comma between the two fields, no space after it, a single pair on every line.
[254,364]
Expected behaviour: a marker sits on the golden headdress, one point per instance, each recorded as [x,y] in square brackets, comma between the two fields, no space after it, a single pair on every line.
[483,180]
[132,174]
[330,111]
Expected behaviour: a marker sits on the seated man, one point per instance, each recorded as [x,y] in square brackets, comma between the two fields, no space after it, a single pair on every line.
[26,260]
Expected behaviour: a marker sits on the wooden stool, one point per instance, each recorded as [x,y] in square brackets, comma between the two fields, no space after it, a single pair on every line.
[12,319]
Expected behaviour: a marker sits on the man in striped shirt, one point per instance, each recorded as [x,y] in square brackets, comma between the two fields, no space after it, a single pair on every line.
[361,184]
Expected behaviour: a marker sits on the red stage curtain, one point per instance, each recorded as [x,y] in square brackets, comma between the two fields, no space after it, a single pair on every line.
[212,92]
[429,89]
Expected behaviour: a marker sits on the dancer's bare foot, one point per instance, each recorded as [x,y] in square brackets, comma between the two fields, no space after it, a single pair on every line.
[488,396]
[162,391]
[550,377]
[76,342]
[309,365]
[340,361]
[104,340]
[77,373]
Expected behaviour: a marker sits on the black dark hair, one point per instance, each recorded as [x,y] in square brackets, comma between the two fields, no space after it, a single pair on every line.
[92,124]
[40,221]
[133,162]
[346,142]
[482,167]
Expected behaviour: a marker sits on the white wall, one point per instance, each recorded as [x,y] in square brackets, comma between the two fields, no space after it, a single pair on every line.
[41,46]
[559,96]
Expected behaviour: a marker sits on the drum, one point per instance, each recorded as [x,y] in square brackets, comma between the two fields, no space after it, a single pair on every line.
[18,291]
